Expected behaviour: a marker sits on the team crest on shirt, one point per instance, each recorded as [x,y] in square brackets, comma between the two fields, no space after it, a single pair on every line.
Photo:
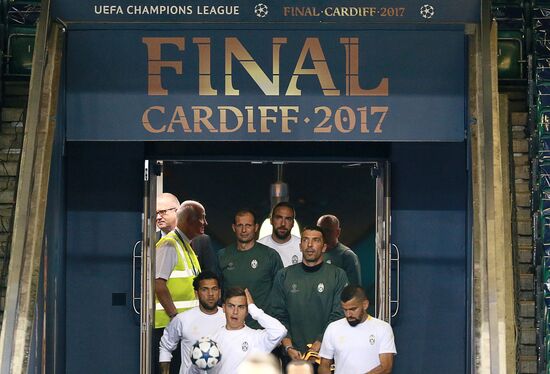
[254,264]
[372,340]
[294,288]
[320,287]
[294,259]
[231,266]
[329,261]
[245,346]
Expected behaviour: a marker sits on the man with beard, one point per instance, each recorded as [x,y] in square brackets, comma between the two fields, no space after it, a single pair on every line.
[357,343]
[193,324]
[248,264]
[281,240]
[306,296]
[176,267]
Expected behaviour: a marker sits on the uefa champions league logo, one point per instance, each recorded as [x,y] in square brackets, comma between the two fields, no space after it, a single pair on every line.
[261,10]
[427,11]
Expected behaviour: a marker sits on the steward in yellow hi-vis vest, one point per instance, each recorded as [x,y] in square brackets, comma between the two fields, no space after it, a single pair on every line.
[180,283]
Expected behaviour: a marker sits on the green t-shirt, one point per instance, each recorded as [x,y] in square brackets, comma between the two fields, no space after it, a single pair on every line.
[254,269]
[307,301]
[345,259]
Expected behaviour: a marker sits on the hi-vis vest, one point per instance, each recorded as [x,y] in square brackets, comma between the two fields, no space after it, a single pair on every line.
[180,283]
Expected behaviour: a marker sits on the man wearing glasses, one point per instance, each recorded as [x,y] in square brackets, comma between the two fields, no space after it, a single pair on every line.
[167,205]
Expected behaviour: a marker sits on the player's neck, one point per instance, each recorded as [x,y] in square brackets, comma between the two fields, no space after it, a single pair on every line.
[331,246]
[208,311]
[245,246]
[278,240]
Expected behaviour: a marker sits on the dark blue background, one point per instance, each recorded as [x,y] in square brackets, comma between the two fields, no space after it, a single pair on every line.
[107,83]
[446,11]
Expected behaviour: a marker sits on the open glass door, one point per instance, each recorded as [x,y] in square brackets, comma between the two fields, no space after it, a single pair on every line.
[147,297]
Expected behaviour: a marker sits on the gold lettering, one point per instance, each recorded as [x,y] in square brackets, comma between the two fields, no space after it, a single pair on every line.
[286,118]
[199,118]
[223,118]
[205,75]
[264,118]
[233,47]
[250,119]
[313,48]
[147,123]
[179,118]
[353,87]
[155,63]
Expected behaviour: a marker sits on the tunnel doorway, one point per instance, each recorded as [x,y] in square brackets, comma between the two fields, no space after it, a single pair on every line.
[355,192]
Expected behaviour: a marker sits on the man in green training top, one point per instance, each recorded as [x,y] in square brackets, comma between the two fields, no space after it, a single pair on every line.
[337,253]
[306,296]
[249,264]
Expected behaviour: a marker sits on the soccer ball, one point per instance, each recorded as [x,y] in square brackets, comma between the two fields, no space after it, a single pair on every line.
[427,11]
[205,354]
[261,10]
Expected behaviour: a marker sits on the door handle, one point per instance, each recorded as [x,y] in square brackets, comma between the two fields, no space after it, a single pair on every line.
[136,300]
[395,260]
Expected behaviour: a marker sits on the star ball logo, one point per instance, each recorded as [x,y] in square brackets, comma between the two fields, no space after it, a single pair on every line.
[427,11]
[261,10]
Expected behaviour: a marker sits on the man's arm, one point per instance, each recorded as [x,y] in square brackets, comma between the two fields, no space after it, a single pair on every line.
[386,364]
[352,267]
[168,343]
[324,367]
[273,331]
[165,299]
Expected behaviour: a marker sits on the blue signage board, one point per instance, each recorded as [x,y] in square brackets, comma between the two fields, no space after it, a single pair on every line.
[268,85]
[265,11]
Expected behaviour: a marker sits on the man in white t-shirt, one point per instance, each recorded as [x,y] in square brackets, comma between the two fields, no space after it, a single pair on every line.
[358,343]
[193,324]
[281,240]
[235,340]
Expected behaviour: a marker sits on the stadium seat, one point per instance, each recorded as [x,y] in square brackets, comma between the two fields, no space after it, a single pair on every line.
[510,55]
[20,50]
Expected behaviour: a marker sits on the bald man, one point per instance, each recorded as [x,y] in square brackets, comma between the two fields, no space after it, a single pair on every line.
[337,253]
[167,205]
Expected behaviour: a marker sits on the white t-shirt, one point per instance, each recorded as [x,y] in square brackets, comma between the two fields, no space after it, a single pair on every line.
[188,327]
[236,345]
[356,349]
[290,251]
[167,258]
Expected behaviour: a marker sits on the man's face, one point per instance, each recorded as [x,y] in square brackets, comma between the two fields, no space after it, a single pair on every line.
[197,226]
[312,247]
[282,222]
[166,215]
[355,310]
[245,228]
[208,294]
[235,309]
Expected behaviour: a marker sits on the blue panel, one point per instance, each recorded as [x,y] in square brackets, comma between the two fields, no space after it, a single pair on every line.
[104,200]
[375,11]
[429,215]
[109,96]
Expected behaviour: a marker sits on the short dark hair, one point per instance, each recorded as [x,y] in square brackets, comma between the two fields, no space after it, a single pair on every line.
[284,204]
[243,211]
[233,292]
[316,228]
[351,291]
[203,275]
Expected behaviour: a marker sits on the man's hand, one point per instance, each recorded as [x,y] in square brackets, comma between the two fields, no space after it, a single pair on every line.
[165,368]
[292,352]
[249,299]
[316,346]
